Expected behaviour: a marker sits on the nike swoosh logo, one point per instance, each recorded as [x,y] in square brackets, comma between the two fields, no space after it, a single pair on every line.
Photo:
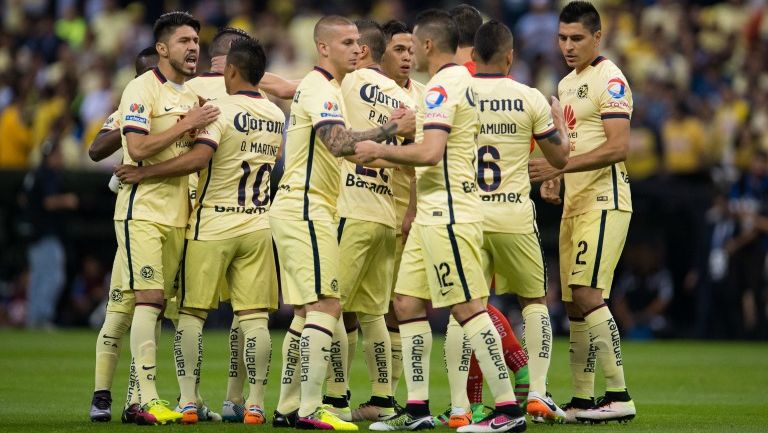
[413,423]
[443,293]
[551,406]
[147,368]
[576,272]
[167,109]
[495,426]
[111,338]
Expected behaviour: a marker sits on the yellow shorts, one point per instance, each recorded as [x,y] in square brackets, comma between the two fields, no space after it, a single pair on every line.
[150,254]
[171,311]
[517,261]
[309,259]
[120,301]
[399,247]
[590,248]
[366,250]
[245,264]
[443,263]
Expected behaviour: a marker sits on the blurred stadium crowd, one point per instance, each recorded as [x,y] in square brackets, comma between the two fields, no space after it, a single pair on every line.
[694,265]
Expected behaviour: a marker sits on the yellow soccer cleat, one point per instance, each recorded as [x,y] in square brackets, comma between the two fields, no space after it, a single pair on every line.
[323,419]
[162,413]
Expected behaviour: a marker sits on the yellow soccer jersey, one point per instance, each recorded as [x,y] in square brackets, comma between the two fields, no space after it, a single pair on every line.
[150,105]
[310,183]
[599,92]
[208,85]
[401,182]
[366,193]
[234,191]
[447,192]
[510,115]
[112,122]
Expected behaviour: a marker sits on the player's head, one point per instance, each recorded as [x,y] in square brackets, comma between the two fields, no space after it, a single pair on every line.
[493,45]
[223,40]
[146,60]
[434,33]
[397,59]
[246,62]
[371,40]
[467,20]
[579,33]
[177,42]
[336,42]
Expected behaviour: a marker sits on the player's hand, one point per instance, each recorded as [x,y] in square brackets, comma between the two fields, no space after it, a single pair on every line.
[198,117]
[407,221]
[550,191]
[406,121]
[218,63]
[129,174]
[367,151]
[540,170]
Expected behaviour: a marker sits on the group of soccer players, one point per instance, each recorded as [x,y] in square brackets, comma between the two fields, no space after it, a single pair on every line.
[394,194]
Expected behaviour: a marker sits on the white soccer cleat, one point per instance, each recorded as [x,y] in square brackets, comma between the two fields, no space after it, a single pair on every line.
[232,412]
[606,410]
[544,409]
[496,422]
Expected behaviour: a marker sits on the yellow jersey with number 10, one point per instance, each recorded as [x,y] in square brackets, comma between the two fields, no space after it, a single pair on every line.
[510,115]
[447,192]
[599,92]
[310,183]
[366,193]
[150,105]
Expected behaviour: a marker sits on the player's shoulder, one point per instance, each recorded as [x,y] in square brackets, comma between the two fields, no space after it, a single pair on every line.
[418,86]
[317,78]
[204,79]
[152,80]
[607,70]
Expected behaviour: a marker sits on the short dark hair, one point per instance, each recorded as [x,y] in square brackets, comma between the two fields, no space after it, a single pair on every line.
[224,38]
[372,36]
[440,27]
[169,22]
[142,59]
[491,39]
[394,27]
[581,12]
[467,20]
[247,55]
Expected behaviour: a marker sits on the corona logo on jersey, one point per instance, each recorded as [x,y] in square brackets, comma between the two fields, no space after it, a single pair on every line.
[436,97]
[373,95]
[570,117]
[244,122]
[616,88]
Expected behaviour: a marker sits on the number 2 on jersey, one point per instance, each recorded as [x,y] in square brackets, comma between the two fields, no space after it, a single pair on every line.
[262,175]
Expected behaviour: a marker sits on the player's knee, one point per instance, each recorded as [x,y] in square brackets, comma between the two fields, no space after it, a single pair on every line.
[330,306]
[391,318]
[153,296]
[465,310]
[587,298]
[408,307]
[524,302]
[116,324]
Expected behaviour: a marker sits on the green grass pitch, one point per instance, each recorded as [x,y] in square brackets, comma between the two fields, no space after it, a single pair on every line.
[46,382]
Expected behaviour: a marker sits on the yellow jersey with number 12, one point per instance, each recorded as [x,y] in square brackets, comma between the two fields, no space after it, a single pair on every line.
[599,92]
[234,189]
[366,193]
[310,184]
[447,192]
[510,115]
[150,105]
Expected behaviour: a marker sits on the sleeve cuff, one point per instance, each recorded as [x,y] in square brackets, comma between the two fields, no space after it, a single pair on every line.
[546,134]
[328,122]
[440,126]
[135,129]
[208,142]
[614,116]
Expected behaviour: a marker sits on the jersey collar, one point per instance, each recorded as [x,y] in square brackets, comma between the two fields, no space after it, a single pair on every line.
[489,75]
[159,75]
[447,65]
[597,61]
[211,74]
[325,73]
[249,93]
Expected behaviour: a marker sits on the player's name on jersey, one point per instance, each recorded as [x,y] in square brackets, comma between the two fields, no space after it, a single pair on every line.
[356,181]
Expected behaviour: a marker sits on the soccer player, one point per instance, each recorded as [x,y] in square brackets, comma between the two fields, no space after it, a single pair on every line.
[397,63]
[302,221]
[596,214]
[120,303]
[228,238]
[468,20]
[157,113]
[441,260]
[511,114]
[366,231]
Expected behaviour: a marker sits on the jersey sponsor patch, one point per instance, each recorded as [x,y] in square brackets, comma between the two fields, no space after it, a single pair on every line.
[130,118]
[136,108]
[617,88]
[436,96]
[330,109]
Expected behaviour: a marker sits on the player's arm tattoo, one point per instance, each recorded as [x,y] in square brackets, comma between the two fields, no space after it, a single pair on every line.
[341,141]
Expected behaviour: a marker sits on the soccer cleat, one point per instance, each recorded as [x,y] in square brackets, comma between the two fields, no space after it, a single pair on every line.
[479,411]
[254,415]
[496,422]
[133,414]
[574,406]
[339,406]
[101,406]
[188,413]
[608,410]
[404,421]
[204,413]
[162,413]
[285,420]
[543,409]
[232,412]
[323,419]
[522,385]
[443,418]
[375,409]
